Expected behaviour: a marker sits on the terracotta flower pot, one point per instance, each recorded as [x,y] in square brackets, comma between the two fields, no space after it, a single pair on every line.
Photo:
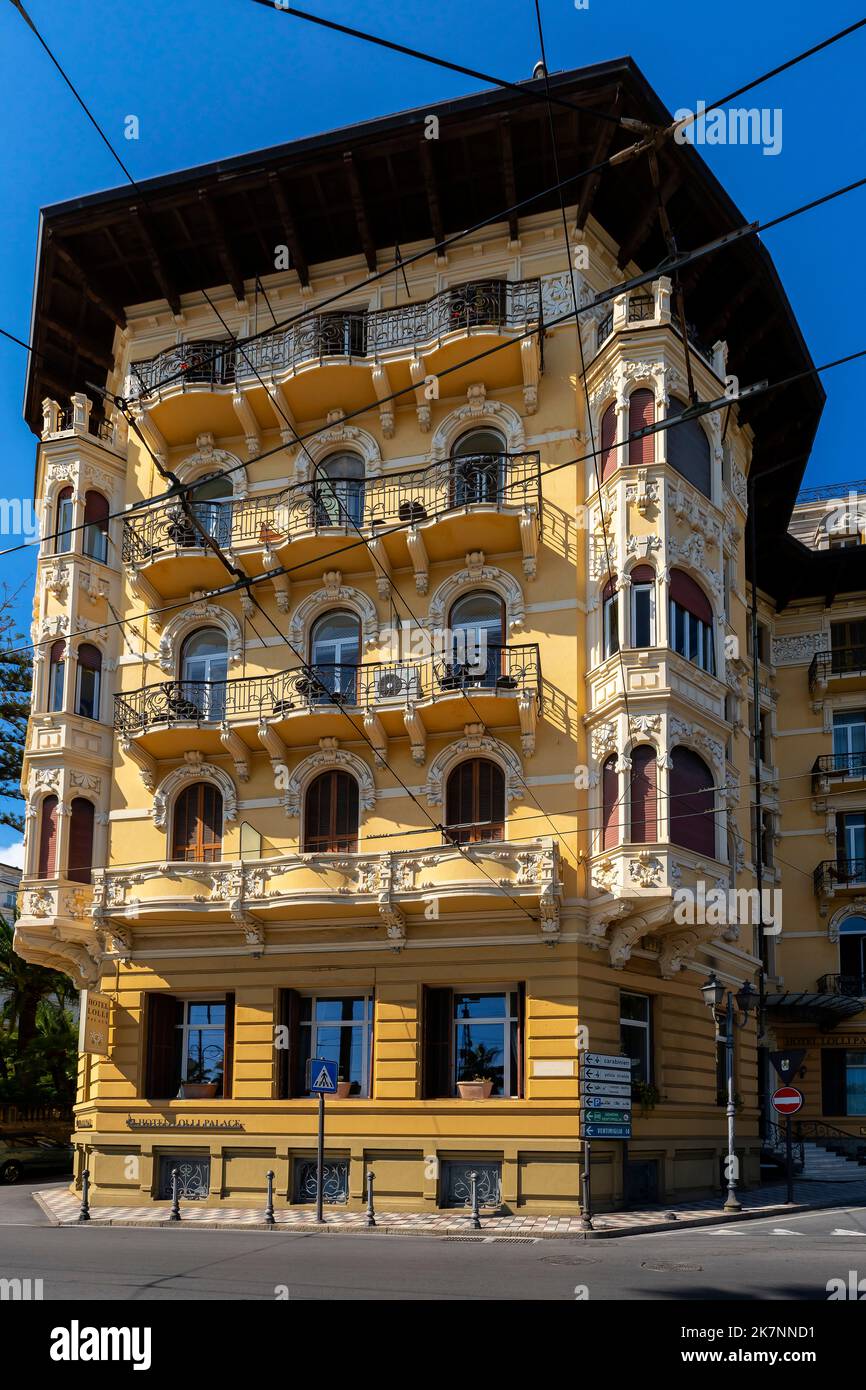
[198,1090]
[344,1088]
[474,1090]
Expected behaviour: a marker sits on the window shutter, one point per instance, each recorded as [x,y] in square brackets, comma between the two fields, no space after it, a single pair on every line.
[162,1046]
[290,1017]
[521,1042]
[80,859]
[690,596]
[692,800]
[688,449]
[834,1095]
[643,796]
[608,442]
[229,1053]
[437,1010]
[609,790]
[48,838]
[641,413]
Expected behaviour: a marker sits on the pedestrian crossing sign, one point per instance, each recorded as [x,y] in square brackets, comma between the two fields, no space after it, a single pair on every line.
[321,1076]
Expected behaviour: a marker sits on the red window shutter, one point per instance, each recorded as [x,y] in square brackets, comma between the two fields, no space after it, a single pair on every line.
[88,656]
[332,814]
[644,816]
[80,841]
[690,596]
[610,811]
[692,801]
[608,442]
[642,574]
[48,838]
[641,412]
[96,510]
[609,589]
[198,825]
[688,449]
[475,801]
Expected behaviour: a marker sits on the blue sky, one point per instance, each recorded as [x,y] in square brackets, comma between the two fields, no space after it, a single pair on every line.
[211,80]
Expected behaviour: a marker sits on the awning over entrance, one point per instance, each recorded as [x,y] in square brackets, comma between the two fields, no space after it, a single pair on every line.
[824,1010]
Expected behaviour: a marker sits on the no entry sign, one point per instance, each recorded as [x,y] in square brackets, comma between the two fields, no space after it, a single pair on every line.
[787,1100]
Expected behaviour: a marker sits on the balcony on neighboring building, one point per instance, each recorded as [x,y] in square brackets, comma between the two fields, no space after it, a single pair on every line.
[307,703]
[418,517]
[355,341]
[832,768]
[390,889]
[841,666]
[835,876]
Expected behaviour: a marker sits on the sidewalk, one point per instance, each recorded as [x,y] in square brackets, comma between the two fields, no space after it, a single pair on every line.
[62,1210]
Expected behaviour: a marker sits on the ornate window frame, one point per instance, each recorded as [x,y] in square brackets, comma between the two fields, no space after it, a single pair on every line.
[474,746]
[186,621]
[477,575]
[339,438]
[334,594]
[182,777]
[474,415]
[855,908]
[208,462]
[326,760]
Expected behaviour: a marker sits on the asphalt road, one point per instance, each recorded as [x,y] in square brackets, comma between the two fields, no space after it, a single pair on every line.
[768,1259]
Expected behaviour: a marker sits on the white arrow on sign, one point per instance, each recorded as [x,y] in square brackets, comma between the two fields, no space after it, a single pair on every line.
[605,1088]
[601,1059]
[608,1102]
[601,1074]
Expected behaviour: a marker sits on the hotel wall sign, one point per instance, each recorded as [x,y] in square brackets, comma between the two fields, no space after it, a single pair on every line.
[95,1023]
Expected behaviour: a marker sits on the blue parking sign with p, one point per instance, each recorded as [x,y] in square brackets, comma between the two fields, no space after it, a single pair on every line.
[321,1076]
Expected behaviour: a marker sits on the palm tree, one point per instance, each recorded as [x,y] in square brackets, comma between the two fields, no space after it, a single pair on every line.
[25,985]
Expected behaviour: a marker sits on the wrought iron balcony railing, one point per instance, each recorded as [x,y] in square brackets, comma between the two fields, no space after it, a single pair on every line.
[841,661]
[511,305]
[832,874]
[504,481]
[507,671]
[853,986]
[835,765]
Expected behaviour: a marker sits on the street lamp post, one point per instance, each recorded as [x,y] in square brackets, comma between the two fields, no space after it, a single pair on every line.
[714,997]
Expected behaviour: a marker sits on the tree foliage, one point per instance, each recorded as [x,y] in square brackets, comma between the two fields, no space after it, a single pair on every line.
[16,682]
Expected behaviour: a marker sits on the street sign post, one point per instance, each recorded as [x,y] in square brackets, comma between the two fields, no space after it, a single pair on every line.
[605,1100]
[786,1101]
[322,1081]
[787,1064]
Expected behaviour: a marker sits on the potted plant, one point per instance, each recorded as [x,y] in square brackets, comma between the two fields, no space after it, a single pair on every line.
[344,1087]
[197,1086]
[479,1088]
[648,1095]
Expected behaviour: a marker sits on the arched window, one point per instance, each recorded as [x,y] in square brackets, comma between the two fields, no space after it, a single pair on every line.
[340,491]
[477,623]
[56,675]
[331,814]
[80,857]
[692,798]
[643,800]
[691,622]
[475,802]
[47,838]
[852,955]
[96,526]
[609,619]
[688,449]
[63,526]
[204,668]
[608,442]
[335,655]
[643,606]
[478,468]
[198,825]
[210,501]
[87,680]
[641,413]
[609,799]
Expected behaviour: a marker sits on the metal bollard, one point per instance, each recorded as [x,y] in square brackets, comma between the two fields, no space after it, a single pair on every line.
[174,1214]
[371,1214]
[84,1209]
[270,1219]
[476,1214]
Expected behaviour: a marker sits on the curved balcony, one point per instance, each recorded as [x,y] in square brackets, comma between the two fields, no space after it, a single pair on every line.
[831,768]
[489,502]
[834,876]
[364,338]
[829,668]
[301,705]
[386,889]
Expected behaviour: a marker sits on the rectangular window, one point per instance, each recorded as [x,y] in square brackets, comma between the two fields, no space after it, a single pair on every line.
[635,1034]
[763,843]
[855,1082]
[849,742]
[611,625]
[643,615]
[486,1039]
[851,847]
[848,643]
[87,693]
[189,1043]
[340,1029]
[692,638]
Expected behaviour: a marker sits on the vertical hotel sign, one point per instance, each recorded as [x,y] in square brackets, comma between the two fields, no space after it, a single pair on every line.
[95,1023]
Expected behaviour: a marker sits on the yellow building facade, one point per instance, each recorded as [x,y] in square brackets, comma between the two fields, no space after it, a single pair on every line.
[391,706]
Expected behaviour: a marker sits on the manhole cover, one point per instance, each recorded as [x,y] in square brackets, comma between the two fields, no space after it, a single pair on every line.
[566,1260]
[669,1269]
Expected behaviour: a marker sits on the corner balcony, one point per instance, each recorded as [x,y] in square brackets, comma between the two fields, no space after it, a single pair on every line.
[298,707]
[842,668]
[488,502]
[650,306]
[403,345]
[359,890]
[838,878]
[832,769]
[54,928]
